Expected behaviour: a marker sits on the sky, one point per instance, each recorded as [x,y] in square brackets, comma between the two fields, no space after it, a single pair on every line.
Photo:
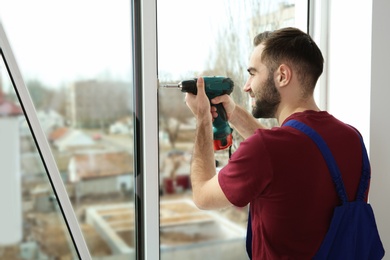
[186,34]
[66,40]
[56,41]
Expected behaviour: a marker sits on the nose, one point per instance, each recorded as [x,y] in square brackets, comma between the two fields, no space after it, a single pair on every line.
[247,86]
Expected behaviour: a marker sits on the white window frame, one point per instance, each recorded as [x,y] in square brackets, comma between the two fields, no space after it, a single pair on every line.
[318,29]
[146,129]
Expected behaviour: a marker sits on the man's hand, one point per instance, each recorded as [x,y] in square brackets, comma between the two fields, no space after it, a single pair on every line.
[240,119]
[199,104]
[206,191]
[228,104]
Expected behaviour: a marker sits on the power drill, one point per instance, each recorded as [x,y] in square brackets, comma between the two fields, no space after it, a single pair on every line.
[214,86]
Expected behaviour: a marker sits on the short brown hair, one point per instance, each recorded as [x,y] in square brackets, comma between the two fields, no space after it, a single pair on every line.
[295,48]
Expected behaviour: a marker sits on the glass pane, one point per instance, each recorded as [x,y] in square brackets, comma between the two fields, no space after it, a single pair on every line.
[31,225]
[209,38]
[75,57]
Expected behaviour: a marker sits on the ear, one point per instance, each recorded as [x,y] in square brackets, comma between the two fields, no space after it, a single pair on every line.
[283,75]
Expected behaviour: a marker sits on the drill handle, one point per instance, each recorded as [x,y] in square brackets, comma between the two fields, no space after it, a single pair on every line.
[222,132]
[222,116]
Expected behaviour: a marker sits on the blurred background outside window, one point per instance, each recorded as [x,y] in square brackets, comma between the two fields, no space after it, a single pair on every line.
[75,58]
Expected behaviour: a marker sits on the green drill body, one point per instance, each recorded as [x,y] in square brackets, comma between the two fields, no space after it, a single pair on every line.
[215,86]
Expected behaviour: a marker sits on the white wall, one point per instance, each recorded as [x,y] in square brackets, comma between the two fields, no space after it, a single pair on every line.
[349,63]
[10,189]
[380,125]
[357,90]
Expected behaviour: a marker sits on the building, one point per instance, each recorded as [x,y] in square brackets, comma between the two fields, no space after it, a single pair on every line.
[10,177]
[65,139]
[96,104]
[99,172]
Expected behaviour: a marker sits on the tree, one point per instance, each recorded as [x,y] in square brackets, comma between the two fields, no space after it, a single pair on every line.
[234,44]
[172,106]
[39,93]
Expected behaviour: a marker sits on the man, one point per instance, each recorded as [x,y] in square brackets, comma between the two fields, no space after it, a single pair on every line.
[280,172]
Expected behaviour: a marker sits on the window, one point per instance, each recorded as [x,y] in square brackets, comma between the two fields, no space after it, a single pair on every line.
[208,38]
[76,61]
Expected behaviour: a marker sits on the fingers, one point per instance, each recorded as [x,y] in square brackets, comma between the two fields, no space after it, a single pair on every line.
[227,102]
[225,99]
[200,82]
[198,103]
[200,86]
[220,99]
[214,114]
[189,100]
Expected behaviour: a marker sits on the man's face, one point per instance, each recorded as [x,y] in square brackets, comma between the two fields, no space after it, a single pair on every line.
[267,99]
[261,87]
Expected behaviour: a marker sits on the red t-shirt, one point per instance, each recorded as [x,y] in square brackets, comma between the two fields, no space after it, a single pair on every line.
[282,174]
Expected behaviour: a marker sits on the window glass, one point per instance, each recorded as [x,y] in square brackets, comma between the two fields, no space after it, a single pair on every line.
[31,222]
[75,58]
[208,38]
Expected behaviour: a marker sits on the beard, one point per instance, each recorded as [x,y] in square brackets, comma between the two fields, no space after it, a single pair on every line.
[267,99]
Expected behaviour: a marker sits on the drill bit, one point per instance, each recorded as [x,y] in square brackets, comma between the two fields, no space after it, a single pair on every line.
[172,85]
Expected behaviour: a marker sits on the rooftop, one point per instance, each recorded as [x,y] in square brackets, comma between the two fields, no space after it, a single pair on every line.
[8,108]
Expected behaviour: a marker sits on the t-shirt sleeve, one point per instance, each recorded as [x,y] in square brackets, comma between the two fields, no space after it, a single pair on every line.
[247,173]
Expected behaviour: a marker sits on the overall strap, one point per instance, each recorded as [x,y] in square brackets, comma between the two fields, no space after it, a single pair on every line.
[332,166]
[366,172]
[335,173]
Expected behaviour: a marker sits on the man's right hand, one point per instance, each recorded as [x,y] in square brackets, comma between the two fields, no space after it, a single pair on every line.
[199,104]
